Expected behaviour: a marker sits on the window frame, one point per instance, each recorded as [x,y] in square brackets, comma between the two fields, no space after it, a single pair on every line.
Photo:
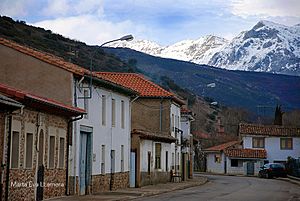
[113,112]
[25,150]
[103,108]
[285,147]
[59,152]
[51,135]
[122,114]
[257,145]
[157,158]
[11,150]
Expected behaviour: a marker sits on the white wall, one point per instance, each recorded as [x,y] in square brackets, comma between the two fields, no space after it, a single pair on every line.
[175,109]
[149,146]
[111,137]
[213,166]
[272,146]
[234,170]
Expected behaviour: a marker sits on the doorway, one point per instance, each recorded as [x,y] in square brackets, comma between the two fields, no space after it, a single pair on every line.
[85,161]
[40,171]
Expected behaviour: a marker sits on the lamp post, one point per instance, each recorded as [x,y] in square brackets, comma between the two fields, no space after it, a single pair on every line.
[124,38]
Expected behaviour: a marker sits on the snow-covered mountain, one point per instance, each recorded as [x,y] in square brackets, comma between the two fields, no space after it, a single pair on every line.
[267,47]
[198,51]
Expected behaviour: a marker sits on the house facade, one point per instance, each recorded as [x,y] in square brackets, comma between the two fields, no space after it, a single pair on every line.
[34,146]
[96,136]
[279,142]
[155,130]
[101,140]
[187,143]
[231,158]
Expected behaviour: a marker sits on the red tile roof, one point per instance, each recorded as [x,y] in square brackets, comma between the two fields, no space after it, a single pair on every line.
[269,130]
[40,102]
[222,147]
[46,57]
[153,136]
[138,83]
[246,153]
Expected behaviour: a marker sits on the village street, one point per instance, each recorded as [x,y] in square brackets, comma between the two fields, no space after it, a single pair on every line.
[235,188]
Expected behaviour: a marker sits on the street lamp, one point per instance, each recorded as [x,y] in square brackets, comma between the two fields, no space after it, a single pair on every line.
[124,38]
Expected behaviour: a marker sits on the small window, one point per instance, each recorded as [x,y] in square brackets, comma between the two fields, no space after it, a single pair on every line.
[286,143]
[173,123]
[113,112]
[103,110]
[61,163]
[157,156]
[15,149]
[86,102]
[122,114]
[218,158]
[103,159]
[29,150]
[258,142]
[234,163]
[51,151]
[122,158]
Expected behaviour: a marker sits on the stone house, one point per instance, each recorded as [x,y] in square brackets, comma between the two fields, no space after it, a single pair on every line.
[95,137]
[155,130]
[33,145]
[231,158]
[187,143]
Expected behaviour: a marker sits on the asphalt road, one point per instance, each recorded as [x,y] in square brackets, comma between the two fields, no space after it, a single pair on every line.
[235,188]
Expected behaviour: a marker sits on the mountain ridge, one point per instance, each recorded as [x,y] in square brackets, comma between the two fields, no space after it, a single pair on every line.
[266,47]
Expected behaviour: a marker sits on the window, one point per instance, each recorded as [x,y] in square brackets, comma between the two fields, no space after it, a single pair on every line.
[258,142]
[103,159]
[61,162]
[173,159]
[286,143]
[172,123]
[157,155]
[103,110]
[15,149]
[167,161]
[218,158]
[122,114]
[51,151]
[122,158]
[113,112]
[178,122]
[29,150]
[86,102]
[234,163]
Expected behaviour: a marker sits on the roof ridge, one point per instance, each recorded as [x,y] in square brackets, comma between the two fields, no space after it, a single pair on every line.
[48,57]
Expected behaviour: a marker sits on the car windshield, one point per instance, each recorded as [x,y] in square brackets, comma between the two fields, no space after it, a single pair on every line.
[277,165]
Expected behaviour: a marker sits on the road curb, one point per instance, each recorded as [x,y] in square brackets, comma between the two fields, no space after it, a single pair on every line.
[149,194]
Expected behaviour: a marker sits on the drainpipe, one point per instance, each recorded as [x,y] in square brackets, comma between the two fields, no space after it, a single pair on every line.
[68,144]
[8,156]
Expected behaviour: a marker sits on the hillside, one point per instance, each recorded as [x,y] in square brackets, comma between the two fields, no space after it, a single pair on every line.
[232,88]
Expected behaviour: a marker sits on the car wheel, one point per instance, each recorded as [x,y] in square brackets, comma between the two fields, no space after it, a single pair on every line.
[269,176]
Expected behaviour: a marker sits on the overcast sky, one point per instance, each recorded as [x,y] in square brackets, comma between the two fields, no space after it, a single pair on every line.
[162,21]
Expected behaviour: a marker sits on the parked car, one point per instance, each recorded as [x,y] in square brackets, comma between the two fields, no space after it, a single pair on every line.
[271,170]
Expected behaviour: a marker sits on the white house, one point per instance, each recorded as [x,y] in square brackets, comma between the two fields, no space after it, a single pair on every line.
[99,156]
[231,158]
[187,142]
[278,141]
[156,130]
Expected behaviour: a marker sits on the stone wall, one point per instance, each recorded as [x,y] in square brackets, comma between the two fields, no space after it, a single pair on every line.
[154,178]
[23,181]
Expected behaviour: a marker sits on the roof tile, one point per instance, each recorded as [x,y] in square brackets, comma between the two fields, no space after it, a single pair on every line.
[222,147]
[269,130]
[246,153]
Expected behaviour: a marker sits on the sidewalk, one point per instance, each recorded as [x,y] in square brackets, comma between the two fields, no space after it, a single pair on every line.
[134,193]
[291,179]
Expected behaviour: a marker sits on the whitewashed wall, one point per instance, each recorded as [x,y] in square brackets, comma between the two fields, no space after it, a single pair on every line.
[272,146]
[213,166]
[149,146]
[234,170]
[175,109]
[111,137]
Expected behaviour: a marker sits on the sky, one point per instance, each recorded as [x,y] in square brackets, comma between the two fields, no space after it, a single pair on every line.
[162,21]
